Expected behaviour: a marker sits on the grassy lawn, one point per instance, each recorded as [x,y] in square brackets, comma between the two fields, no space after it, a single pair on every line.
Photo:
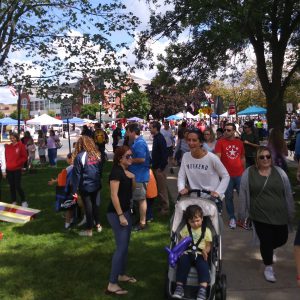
[40,261]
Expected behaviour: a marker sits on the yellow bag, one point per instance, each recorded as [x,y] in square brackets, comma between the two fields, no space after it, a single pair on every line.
[152,187]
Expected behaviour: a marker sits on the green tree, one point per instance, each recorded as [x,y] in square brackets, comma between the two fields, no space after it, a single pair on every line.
[89,110]
[63,39]
[136,104]
[219,30]
[51,113]
[24,114]
[1,115]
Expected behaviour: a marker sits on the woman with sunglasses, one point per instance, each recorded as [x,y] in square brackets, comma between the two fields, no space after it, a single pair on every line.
[202,169]
[266,197]
[122,183]
[209,140]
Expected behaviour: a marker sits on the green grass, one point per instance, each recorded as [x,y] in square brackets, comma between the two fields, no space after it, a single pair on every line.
[40,261]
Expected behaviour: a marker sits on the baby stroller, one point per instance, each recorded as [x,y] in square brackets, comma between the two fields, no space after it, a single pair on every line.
[212,216]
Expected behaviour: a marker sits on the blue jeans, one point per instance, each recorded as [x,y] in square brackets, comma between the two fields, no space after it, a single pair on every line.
[52,154]
[122,238]
[234,183]
[184,266]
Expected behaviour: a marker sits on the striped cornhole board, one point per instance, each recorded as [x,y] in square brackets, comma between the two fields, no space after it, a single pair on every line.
[16,214]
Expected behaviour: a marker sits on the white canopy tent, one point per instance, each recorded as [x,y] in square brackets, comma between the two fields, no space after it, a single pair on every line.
[188,115]
[44,120]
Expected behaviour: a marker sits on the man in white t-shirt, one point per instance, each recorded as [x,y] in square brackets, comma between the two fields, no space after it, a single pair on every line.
[170,140]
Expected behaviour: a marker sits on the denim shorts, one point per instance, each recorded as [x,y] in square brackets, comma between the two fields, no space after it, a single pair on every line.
[140,191]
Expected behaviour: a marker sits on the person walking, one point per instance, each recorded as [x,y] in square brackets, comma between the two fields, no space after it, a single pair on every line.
[170,141]
[159,164]
[140,168]
[209,140]
[232,155]
[42,146]
[15,157]
[202,170]
[86,179]
[101,139]
[266,197]
[251,143]
[278,148]
[52,148]
[122,183]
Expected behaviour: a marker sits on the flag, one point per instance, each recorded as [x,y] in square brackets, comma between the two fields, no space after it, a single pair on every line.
[192,106]
[12,90]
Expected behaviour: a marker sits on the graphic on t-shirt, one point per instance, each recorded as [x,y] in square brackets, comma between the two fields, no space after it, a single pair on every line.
[232,151]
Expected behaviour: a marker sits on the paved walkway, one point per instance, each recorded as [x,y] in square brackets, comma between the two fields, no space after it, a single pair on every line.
[243,265]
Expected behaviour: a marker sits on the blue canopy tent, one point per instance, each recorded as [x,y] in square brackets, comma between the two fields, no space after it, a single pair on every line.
[8,121]
[173,117]
[74,120]
[252,110]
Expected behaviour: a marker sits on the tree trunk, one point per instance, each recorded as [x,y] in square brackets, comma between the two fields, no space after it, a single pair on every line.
[275,110]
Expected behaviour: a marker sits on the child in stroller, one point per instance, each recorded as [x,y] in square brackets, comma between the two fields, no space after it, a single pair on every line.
[196,254]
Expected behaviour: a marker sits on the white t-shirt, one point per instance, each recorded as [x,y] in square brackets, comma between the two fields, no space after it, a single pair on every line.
[207,173]
[168,135]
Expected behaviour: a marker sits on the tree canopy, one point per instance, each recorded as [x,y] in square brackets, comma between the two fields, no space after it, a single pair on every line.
[135,104]
[206,34]
[60,40]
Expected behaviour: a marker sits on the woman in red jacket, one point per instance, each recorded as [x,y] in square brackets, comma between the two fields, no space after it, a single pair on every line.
[15,157]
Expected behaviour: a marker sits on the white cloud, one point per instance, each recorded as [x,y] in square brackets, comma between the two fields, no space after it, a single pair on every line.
[6,97]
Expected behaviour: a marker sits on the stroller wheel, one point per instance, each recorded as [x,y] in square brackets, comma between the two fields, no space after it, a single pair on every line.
[223,286]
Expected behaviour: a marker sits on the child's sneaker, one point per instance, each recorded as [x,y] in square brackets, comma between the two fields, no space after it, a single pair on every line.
[179,292]
[24,204]
[232,223]
[201,293]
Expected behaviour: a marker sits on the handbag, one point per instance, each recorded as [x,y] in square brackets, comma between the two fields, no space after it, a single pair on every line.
[63,196]
[151,187]
[58,144]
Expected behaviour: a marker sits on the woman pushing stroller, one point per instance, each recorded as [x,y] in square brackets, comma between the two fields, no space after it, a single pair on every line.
[196,255]
[202,169]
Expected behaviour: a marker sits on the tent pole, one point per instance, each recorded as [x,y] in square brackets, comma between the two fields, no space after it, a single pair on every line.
[69,138]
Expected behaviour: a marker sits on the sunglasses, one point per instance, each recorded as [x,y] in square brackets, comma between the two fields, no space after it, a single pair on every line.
[228,130]
[246,127]
[128,156]
[264,157]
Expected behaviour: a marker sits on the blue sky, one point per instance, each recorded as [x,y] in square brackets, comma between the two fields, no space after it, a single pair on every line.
[140,9]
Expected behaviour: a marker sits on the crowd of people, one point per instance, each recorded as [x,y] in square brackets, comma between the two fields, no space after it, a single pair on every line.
[220,160]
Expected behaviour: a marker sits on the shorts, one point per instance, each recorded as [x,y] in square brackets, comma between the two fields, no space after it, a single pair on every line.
[140,191]
[297,238]
[170,151]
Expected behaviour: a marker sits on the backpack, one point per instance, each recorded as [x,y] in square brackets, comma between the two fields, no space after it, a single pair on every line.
[100,137]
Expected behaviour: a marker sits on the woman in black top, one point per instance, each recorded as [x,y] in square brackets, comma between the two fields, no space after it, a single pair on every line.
[122,183]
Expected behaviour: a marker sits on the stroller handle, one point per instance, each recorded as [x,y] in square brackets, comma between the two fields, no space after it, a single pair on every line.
[216,200]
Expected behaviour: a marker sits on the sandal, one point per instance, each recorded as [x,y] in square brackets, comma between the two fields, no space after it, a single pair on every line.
[129,279]
[118,292]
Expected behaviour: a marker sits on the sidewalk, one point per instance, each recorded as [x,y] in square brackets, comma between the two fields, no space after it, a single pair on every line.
[243,265]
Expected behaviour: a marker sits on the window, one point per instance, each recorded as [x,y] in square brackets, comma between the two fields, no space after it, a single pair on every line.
[86,99]
[24,103]
[42,105]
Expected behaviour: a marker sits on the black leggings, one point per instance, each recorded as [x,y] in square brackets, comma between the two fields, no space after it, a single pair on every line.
[91,202]
[14,181]
[270,237]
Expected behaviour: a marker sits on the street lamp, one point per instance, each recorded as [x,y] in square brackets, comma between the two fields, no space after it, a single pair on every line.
[100,119]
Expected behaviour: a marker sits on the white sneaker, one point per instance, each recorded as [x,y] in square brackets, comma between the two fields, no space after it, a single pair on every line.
[232,223]
[269,274]
[24,204]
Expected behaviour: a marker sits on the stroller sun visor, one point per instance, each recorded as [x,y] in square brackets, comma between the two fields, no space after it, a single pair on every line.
[208,207]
